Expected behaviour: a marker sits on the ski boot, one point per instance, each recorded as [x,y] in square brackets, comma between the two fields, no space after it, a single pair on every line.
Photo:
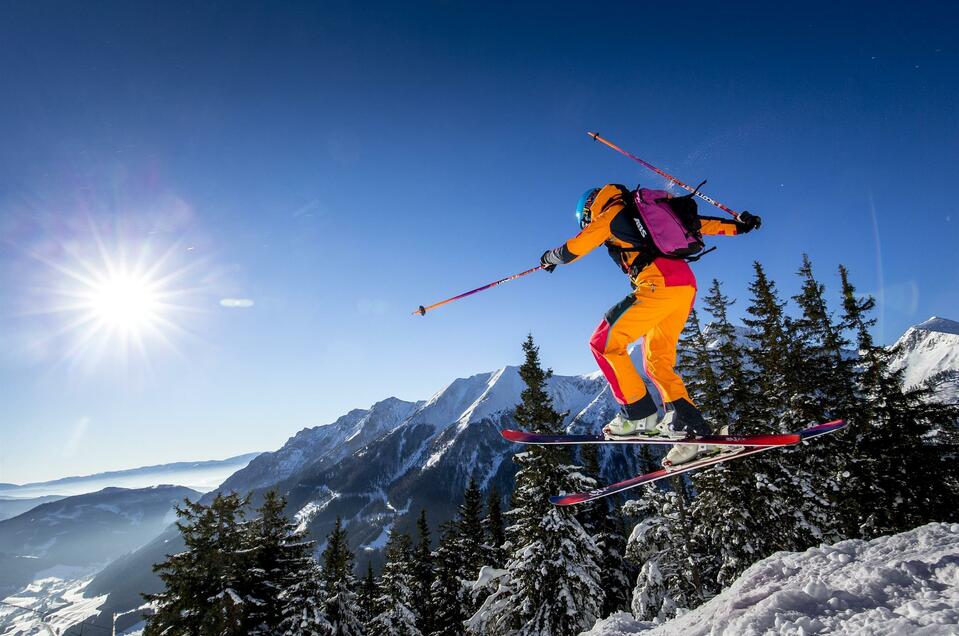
[686,421]
[637,420]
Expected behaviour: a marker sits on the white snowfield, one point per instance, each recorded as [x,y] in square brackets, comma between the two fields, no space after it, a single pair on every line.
[900,585]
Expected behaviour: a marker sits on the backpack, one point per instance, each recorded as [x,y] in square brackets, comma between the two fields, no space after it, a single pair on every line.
[670,225]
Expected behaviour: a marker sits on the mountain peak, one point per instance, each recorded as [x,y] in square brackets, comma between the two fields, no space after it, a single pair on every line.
[942,325]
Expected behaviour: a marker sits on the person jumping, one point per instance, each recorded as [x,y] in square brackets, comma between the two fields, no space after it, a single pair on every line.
[664,289]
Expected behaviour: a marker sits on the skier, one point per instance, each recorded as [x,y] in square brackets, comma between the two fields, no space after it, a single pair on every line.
[663,293]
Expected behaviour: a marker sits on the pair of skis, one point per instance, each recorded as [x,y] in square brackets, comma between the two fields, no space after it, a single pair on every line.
[752,444]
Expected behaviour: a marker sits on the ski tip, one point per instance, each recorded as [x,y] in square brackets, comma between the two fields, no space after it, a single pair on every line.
[569,500]
[513,436]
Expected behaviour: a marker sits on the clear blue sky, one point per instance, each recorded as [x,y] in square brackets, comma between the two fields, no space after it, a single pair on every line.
[340,163]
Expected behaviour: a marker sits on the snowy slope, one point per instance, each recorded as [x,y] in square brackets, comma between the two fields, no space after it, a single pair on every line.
[902,584]
[930,351]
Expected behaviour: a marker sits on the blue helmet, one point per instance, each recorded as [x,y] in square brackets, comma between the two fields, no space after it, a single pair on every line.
[583,214]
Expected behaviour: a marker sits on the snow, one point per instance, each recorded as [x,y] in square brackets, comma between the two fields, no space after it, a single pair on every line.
[902,584]
[380,542]
[60,601]
[931,348]
[942,325]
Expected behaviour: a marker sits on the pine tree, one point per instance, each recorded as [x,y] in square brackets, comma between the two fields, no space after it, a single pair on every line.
[826,392]
[665,585]
[303,607]
[368,593]
[472,542]
[201,583]
[423,576]
[280,555]
[495,530]
[727,359]
[394,613]
[897,478]
[448,594]
[551,581]
[770,377]
[695,363]
[338,585]
[604,521]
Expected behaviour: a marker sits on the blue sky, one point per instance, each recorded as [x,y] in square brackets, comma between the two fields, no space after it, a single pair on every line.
[339,165]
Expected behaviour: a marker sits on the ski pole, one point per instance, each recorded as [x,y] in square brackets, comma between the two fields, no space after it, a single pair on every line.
[422,310]
[702,196]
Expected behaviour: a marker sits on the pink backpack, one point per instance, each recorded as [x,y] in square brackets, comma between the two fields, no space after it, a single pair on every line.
[671,224]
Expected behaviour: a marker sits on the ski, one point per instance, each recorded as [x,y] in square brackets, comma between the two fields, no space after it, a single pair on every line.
[780,439]
[648,478]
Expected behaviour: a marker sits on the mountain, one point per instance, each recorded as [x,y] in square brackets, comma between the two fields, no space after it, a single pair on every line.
[12,506]
[83,532]
[899,584]
[377,468]
[929,352]
[202,476]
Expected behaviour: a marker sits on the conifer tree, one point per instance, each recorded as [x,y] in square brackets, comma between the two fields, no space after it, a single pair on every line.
[338,585]
[551,581]
[303,606]
[695,363]
[771,379]
[366,598]
[201,583]
[423,576]
[394,613]
[897,478]
[774,377]
[495,530]
[664,586]
[472,542]
[448,594]
[727,360]
[603,520]
[826,392]
[280,555]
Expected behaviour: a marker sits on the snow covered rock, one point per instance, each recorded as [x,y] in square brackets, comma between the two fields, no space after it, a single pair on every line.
[930,351]
[902,584]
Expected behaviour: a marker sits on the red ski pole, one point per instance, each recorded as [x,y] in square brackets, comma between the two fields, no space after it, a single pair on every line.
[422,310]
[666,175]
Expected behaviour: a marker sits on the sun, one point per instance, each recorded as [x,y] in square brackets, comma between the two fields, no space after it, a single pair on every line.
[119,303]
[126,302]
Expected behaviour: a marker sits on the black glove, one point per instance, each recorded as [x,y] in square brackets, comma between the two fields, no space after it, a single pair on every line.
[749,222]
[546,263]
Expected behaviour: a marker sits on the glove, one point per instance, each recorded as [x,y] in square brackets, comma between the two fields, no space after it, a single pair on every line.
[749,222]
[545,262]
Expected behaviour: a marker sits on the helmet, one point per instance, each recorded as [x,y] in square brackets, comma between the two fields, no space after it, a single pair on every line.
[583,214]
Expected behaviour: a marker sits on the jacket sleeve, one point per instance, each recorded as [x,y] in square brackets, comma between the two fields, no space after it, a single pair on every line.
[608,203]
[720,226]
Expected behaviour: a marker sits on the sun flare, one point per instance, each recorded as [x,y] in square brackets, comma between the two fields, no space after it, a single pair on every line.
[119,303]
[126,301]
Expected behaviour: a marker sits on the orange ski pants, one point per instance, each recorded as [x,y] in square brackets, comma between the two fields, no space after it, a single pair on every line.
[656,314]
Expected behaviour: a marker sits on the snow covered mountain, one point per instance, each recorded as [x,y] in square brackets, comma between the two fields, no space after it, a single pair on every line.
[900,584]
[929,351]
[201,476]
[377,468]
[82,532]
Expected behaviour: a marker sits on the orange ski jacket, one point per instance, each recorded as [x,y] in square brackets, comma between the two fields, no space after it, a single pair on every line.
[618,232]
